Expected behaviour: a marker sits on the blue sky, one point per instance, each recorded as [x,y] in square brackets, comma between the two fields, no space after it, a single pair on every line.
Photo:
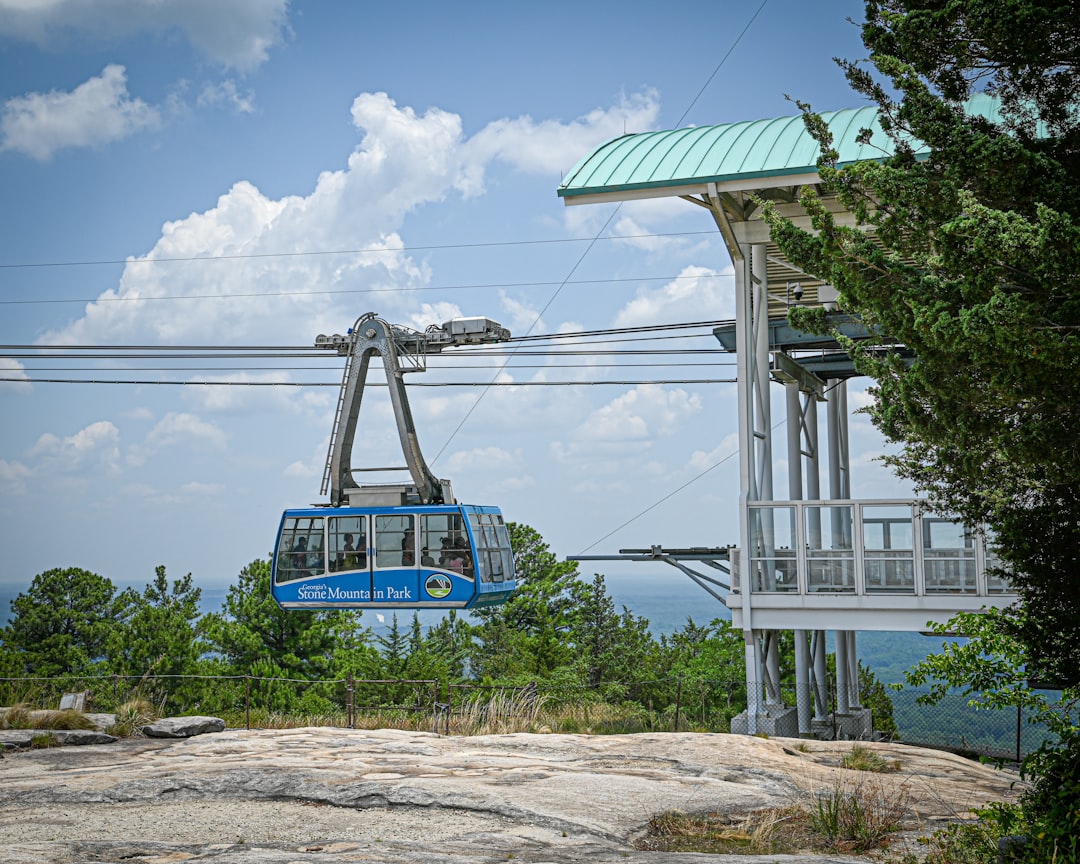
[272,137]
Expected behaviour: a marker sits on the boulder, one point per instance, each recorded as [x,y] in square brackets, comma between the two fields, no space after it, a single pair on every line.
[65,737]
[183,727]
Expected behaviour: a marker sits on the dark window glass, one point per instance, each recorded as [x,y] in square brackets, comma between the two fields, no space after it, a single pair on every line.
[300,552]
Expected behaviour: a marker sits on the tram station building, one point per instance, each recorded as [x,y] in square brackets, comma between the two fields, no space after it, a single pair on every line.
[819,560]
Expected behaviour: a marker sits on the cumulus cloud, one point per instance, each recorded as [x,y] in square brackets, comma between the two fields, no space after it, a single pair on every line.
[15,373]
[697,294]
[551,146]
[237,34]
[96,444]
[647,410]
[727,449]
[228,94]
[627,426]
[404,160]
[98,111]
[13,477]
[177,428]
[483,459]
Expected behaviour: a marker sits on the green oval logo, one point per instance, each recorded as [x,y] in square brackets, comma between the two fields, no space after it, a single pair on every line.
[438,585]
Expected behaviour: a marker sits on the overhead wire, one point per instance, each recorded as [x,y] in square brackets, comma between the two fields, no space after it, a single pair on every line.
[189,383]
[372,250]
[247,295]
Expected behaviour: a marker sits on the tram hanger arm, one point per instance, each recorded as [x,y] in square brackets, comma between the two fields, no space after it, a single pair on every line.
[372,335]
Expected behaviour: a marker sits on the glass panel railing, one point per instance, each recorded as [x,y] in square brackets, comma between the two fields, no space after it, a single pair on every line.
[773,564]
[948,556]
[888,533]
[830,555]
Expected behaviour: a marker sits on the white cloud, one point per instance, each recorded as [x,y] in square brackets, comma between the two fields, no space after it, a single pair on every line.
[522,319]
[201,490]
[183,429]
[13,477]
[483,459]
[551,146]
[96,444]
[646,411]
[226,93]
[698,294]
[13,369]
[247,392]
[614,437]
[237,33]
[403,161]
[302,469]
[96,112]
[139,413]
[726,451]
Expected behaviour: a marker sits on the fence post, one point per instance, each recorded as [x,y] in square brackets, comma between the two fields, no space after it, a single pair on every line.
[449,705]
[247,701]
[1019,709]
[678,702]
[115,703]
[350,701]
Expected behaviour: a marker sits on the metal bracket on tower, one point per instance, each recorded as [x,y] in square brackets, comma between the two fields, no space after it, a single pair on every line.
[402,350]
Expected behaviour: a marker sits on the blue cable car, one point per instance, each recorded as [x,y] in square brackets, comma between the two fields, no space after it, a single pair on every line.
[386,546]
[422,557]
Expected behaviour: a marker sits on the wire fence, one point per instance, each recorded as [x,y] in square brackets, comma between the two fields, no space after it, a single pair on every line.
[676,704]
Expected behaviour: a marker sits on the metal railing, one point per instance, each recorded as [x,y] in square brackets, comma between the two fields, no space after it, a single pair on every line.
[865,547]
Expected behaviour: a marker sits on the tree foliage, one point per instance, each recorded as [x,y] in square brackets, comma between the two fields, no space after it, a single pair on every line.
[973,262]
[253,631]
[62,624]
[559,632]
[161,632]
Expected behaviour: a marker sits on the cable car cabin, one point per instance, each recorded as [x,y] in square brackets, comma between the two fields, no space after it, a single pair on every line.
[421,557]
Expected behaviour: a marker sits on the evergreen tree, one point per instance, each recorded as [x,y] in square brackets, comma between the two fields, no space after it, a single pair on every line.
[252,631]
[609,647]
[451,640]
[63,623]
[161,633]
[525,637]
[973,262]
[394,650]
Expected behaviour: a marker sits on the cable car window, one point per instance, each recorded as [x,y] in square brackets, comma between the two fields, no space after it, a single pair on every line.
[348,543]
[502,532]
[300,549]
[444,543]
[491,539]
[395,541]
[482,564]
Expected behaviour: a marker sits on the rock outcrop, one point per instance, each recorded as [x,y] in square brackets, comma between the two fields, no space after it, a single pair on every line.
[183,727]
[334,795]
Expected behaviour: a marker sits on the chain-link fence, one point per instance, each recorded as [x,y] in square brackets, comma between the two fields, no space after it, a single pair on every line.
[952,724]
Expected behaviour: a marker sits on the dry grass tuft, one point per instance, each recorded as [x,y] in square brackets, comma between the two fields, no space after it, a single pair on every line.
[16,717]
[500,713]
[849,819]
[861,758]
[132,716]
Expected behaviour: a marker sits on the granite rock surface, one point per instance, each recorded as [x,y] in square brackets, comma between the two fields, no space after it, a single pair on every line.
[335,795]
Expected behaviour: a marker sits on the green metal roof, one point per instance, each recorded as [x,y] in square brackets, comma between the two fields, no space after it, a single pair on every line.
[732,151]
